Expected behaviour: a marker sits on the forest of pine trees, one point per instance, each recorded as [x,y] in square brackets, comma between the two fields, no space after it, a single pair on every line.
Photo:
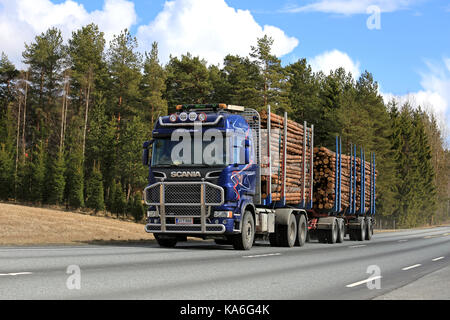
[73,121]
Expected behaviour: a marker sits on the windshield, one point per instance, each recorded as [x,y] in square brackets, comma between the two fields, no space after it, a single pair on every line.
[195,153]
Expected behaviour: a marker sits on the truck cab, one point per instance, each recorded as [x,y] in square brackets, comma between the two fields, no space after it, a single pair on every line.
[204,175]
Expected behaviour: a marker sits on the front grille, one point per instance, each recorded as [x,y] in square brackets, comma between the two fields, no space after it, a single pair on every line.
[177,211]
[188,194]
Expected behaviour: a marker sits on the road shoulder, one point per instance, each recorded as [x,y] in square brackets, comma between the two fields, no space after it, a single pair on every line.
[433,286]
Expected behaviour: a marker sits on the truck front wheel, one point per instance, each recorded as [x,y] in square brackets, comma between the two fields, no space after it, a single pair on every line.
[244,240]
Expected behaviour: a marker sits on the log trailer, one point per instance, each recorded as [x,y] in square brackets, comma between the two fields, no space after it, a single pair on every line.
[248,188]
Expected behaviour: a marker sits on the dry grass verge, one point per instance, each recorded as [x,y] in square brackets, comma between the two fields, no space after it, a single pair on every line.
[22,225]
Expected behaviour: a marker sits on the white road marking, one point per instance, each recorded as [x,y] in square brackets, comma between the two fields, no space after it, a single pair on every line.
[363,281]
[262,255]
[358,246]
[403,240]
[15,274]
[411,267]
[437,259]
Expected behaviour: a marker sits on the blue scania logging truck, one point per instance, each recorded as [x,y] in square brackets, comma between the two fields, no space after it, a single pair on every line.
[233,199]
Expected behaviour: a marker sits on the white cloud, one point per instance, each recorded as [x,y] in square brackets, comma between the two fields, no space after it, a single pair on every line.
[210,29]
[435,93]
[331,60]
[22,20]
[349,7]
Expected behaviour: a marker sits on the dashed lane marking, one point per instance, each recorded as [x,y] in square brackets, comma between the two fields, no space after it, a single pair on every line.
[363,281]
[437,259]
[411,267]
[262,255]
[15,273]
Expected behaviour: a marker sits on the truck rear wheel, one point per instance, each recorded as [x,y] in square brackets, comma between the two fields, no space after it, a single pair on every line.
[288,233]
[341,231]
[333,232]
[244,240]
[369,229]
[302,231]
[166,242]
[361,231]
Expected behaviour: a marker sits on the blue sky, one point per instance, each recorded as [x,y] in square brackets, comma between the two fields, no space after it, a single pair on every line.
[409,55]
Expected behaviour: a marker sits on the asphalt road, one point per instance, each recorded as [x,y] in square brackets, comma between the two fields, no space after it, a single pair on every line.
[202,270]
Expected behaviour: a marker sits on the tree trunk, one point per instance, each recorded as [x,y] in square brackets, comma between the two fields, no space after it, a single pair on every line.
[86,116]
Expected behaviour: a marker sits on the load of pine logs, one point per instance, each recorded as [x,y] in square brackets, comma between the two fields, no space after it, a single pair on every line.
[294,159]
[325,180]
[324,168]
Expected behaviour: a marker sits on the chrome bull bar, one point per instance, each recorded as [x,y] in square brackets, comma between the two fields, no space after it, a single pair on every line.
[209,195]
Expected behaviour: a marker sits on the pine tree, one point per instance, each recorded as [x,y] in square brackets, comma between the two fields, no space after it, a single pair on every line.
[46,58]
[238,83]
[303,92]
[38,173]
[87,66]
[56,180]
[75,179]
[138,208]
[6,173]
[8,73]
[119,202]
[274,89]
[124,64]
[129,156]
[152,88]
[187,81]
[94,191]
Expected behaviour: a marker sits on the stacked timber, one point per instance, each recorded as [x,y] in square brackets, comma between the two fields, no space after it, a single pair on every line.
[294,178]
[325,175]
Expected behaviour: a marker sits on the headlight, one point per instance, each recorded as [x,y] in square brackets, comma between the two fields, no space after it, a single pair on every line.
[223,214]
[152,214]
[202,117]
[173,118]
[183,116]
[192,116]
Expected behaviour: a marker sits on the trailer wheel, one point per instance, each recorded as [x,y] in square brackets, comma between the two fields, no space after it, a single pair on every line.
[244,240]
[369,229]
[361,231]
[166,242]
[288,233]
[302,231]
[341,231]
[333,232]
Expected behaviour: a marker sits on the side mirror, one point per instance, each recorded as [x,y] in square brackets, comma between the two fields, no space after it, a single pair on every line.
[146,152]
[247,151]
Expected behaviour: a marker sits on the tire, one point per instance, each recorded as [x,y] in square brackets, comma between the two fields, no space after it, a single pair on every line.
[244,240]
[288,234]
[166,242]
[369,229]
[341,231]
[302,231]
[333,232]
[361,230]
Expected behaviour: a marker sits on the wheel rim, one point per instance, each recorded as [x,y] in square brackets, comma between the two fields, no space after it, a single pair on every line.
[302,232]
[292,232]
[249,233]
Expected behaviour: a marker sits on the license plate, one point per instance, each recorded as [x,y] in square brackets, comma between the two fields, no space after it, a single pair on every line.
[184,221]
